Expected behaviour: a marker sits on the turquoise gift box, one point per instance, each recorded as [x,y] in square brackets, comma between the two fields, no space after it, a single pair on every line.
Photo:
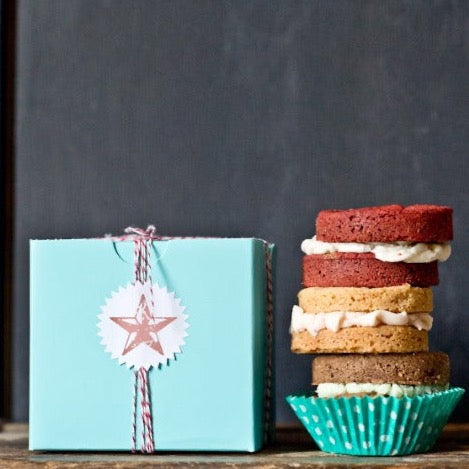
[210,397]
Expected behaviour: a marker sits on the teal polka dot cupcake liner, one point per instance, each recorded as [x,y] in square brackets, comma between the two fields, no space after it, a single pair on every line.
[376,426]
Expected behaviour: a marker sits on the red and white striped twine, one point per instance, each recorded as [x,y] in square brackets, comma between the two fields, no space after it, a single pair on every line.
[142,269]
[147,431]
[134,412]
[269,352]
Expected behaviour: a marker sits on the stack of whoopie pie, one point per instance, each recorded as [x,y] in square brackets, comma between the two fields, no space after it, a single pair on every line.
[365,308]
[367,300]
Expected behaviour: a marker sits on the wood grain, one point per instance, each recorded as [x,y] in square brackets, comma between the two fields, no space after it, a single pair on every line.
[292,449]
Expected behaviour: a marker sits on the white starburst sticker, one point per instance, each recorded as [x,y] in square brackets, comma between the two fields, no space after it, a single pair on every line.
[143,325]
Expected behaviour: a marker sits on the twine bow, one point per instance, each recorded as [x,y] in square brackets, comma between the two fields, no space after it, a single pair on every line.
[148,234]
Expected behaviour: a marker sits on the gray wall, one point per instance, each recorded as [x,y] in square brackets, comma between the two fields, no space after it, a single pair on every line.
[241,119]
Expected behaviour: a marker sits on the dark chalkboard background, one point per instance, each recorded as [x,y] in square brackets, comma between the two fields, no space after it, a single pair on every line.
[2,198]
[241,119]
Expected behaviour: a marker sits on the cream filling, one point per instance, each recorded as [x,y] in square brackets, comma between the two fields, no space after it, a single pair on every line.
[395,390]
[387,252]
[336,320]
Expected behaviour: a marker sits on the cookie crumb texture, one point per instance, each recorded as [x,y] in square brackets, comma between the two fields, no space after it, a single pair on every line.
[380,339]
[364,270]
[388,223]
[425,368]
[362,299]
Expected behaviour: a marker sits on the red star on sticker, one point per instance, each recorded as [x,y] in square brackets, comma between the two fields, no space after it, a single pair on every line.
[143,327]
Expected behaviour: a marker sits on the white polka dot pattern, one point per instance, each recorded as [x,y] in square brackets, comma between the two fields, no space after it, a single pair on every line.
[375,426]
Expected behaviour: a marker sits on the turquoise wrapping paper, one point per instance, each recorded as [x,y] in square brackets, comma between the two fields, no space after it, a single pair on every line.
[81,399]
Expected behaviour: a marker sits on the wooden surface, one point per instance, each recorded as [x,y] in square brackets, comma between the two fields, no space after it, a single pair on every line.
[293,449]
